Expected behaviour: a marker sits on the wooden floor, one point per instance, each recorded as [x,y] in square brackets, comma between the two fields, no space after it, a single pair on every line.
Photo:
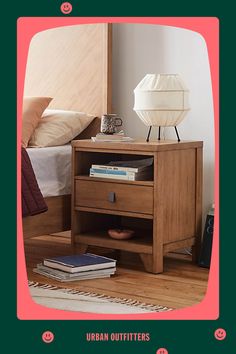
[181,284]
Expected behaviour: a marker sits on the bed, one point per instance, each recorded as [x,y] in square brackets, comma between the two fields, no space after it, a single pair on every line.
[55,180]
[72,64]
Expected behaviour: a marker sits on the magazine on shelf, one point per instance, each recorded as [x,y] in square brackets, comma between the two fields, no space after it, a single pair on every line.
[112,172]
[123,175]
[129,166]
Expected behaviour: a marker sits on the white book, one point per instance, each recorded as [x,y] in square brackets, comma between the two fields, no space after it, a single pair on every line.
[65,275]
[102,136]
[128,177]
[112,172]
[115,168]
[112,176]
[41,272]
[129,166]
[107,139]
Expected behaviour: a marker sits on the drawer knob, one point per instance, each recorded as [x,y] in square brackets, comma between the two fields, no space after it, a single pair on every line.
[112,197]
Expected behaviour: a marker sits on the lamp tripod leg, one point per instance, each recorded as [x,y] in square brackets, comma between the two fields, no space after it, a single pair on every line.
[159,133]
[177,134]
[149,132]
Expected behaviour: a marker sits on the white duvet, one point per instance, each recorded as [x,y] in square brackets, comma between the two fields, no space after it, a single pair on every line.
[52,167]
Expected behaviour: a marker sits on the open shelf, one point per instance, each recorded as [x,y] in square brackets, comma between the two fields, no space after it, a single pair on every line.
[140,243]
[85,159]
[115,180]
[114,212]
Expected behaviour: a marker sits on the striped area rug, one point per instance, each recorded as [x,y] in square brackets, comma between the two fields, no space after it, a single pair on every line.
[80,301]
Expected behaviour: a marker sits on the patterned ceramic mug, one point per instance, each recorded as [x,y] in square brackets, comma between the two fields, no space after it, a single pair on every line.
[109,123]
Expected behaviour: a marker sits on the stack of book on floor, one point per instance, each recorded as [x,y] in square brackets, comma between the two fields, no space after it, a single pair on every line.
[116,137]
[77,267]
[135,170]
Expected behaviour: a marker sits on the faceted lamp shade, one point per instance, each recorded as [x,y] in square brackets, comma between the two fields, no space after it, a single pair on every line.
[161,100]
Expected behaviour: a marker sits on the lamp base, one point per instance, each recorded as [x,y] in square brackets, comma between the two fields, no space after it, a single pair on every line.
[159,134]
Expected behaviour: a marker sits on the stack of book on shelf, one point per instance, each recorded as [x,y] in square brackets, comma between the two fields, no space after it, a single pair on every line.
[135,170]
[77,267]
[116,137]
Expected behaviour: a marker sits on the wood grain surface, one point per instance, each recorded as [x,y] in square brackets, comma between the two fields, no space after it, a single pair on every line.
[182,284]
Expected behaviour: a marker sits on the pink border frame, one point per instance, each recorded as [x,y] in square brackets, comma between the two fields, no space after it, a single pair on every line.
[208,28]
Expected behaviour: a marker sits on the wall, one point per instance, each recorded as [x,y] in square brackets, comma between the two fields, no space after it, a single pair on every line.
[139,49]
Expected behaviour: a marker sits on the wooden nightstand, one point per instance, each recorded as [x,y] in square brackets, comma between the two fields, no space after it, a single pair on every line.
[165,212]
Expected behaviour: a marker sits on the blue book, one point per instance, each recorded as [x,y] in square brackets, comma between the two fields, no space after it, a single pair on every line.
[79,262]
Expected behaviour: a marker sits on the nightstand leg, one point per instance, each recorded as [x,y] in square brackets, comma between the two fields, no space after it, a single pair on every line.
[151,264]
[194,255]
[81,248]
[196,248]
[198,209]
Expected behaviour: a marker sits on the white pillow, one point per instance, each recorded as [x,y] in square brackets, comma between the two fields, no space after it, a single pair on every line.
[58,127]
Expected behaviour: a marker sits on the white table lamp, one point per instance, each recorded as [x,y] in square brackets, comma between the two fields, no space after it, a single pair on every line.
[161,100]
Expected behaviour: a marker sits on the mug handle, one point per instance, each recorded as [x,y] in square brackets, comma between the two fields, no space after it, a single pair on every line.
[120,123]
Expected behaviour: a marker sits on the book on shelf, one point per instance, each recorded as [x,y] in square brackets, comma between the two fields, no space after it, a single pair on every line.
[132,170]
[79,263]
[123,175]
[112,172]
[66,276]
[129,166]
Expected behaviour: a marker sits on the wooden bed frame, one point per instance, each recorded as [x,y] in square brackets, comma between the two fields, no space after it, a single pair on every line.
[72,64]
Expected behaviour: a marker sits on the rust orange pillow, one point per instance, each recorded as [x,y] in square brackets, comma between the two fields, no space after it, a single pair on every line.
[33,108]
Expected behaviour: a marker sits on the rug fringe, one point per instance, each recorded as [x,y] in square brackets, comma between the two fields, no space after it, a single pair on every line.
[128,302]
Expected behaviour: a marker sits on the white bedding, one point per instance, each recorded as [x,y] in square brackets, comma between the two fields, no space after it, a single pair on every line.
[52,167]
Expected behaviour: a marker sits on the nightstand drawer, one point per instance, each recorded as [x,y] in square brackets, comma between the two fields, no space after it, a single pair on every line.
[114,196]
